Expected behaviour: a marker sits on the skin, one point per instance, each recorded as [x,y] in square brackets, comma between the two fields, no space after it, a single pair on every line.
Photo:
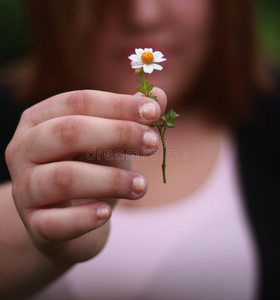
[47,176]
[180,29]
[51,220]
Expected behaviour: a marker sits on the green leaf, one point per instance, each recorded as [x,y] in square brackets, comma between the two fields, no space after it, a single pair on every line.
[164,117]
[141,90]
[154,97]
[150,87]
[170,123]
[172,114]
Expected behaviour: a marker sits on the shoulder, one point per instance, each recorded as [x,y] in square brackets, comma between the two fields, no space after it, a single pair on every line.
[259,140]
[258,148]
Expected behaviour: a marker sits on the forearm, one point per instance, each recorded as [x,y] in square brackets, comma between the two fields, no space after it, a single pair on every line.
[24,269]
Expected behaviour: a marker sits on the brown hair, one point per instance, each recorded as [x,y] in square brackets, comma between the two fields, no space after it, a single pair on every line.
[226,87]
[53,23]
[236,70]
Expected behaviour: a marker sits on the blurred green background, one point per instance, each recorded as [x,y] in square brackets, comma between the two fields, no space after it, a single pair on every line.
[15,40]
[14,30]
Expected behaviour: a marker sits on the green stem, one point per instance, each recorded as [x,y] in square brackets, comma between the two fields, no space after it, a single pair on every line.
[146,92]
[162,133]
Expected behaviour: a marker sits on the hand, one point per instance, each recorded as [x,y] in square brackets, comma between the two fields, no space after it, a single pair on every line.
[51,172]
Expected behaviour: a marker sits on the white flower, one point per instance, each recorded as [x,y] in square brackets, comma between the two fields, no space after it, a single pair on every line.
[146,59]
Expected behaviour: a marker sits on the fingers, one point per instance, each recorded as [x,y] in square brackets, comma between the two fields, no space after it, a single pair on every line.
[63,224]
[45,178]
[161,98]
[58,182]
[100,104]
[61,138]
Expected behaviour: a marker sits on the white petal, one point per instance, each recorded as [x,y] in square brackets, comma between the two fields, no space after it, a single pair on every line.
[137,61]
[157,67]
[139,51]
[158,60]
[133,57]
[148,68]
[148,50]
[136,65]
[158,54]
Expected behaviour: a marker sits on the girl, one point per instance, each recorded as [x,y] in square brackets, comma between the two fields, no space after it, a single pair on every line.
[207,233]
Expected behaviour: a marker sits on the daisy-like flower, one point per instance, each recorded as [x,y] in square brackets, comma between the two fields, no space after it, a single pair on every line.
[147,59]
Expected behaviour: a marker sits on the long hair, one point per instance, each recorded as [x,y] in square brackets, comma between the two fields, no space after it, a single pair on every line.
[234,73]
[53,23]
[236,70]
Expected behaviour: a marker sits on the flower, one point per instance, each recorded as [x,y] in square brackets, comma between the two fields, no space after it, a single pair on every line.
[138,72]
[146,59]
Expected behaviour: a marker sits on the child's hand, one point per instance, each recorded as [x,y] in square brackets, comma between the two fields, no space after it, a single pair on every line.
[51,168]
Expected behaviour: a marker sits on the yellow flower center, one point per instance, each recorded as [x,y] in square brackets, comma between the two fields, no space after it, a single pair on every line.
[147,58]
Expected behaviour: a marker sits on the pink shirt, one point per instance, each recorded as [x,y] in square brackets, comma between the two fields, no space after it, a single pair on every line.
[198,248]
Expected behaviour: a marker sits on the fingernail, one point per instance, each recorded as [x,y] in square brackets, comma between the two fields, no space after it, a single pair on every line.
[103,212]
[150,139]
[147,111]
[139,184]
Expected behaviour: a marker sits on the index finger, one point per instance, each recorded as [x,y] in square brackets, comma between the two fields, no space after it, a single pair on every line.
[98,104]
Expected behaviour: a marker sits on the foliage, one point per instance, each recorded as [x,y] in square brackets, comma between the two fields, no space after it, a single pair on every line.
[14,30]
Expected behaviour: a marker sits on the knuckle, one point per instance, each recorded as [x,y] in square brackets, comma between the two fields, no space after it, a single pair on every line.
[16,192]
[46,229]
[69,130]
[30,117]
[79,102]
[63,177]
[21,195]
[124,132]
[119,105]
[10,152]
[22,185]
[117,184]
[26,115]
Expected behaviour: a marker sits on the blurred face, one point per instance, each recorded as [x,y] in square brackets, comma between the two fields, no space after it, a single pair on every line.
[180,29]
